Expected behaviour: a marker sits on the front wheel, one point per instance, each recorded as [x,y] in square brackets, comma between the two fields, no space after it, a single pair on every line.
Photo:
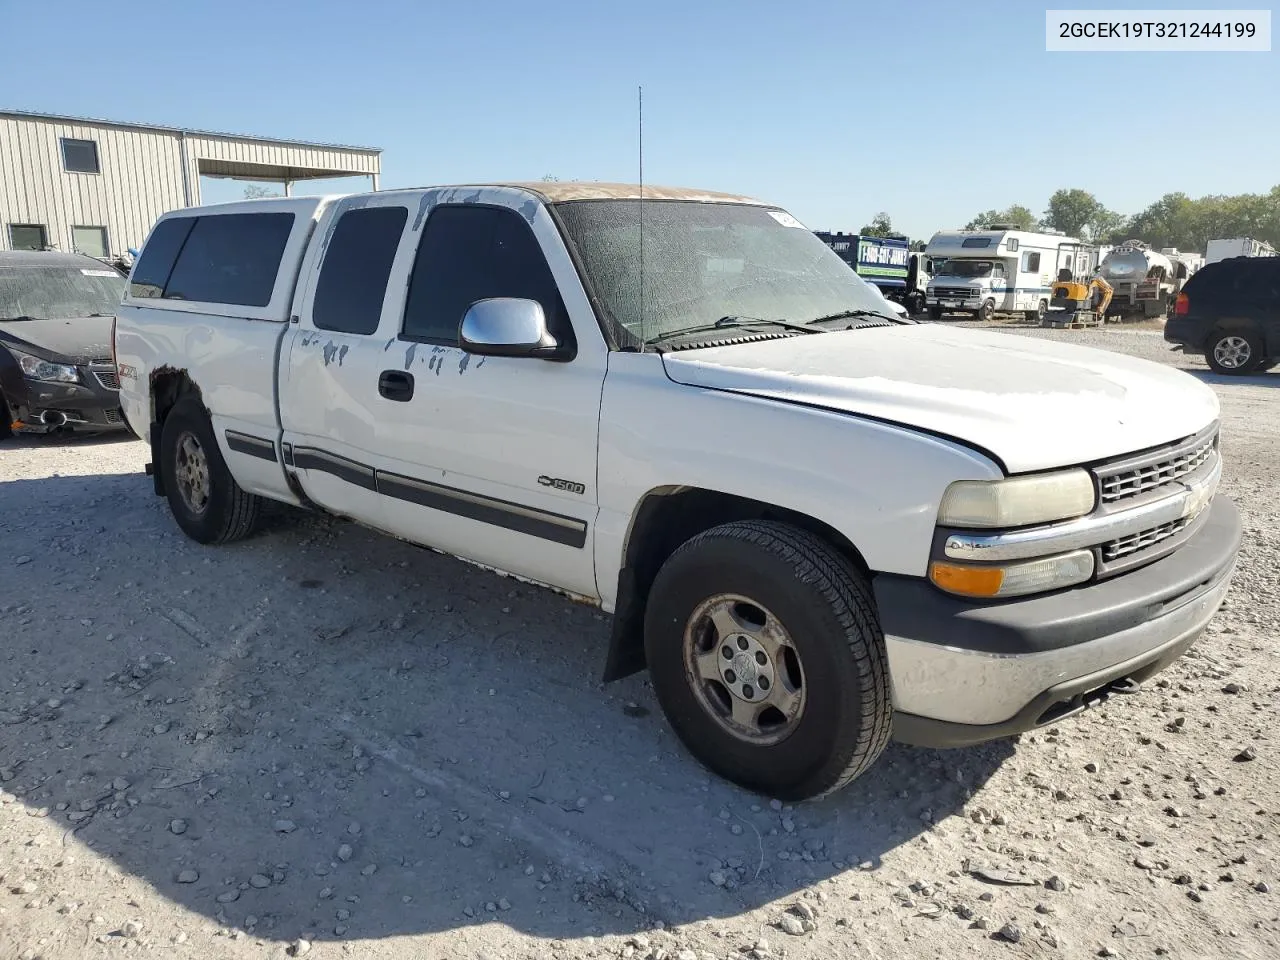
[1234,351]
[935,313]
[204,498]
[1036,316]
[915,303]
[767,657]
[986,311]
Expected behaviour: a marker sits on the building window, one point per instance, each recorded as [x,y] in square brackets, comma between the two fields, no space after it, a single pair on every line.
[80,156]
[28,236]
[91,241]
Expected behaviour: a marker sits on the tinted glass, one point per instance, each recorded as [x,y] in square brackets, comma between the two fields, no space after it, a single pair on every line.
[353,278]
[80,156]
[472,253]
[232,258]
[152,270]
[28,236]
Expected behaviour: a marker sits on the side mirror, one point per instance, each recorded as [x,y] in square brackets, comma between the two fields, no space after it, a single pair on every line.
[507,327]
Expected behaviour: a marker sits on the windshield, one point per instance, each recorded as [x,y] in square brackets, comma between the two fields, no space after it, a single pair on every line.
[965,268]
[58,293]
[704,261]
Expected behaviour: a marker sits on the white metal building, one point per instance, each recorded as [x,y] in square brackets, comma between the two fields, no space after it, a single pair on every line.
[97,186]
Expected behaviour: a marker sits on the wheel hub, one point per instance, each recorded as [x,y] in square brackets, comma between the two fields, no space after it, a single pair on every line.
[191,471]
[1232,352]
[744,669]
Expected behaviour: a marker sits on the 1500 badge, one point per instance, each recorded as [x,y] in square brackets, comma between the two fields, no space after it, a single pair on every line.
[557,484]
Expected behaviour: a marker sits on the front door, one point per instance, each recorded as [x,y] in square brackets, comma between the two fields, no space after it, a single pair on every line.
[489,458]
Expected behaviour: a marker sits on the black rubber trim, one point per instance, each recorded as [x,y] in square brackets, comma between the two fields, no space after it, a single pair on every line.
[535,522]
[251,446]
[502,513]
[913,608]
[309,458]
[1055,704]
[287,450]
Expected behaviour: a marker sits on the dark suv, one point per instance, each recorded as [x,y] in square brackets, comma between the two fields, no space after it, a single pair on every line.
[1230,312]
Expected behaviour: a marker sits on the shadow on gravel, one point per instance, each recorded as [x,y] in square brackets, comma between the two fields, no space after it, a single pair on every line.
[323,732]
[1266,379]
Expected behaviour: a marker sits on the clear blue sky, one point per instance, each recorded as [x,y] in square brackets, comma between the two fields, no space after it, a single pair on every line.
[931,110]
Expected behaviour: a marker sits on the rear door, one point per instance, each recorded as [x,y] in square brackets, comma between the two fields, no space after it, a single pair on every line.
[329,401]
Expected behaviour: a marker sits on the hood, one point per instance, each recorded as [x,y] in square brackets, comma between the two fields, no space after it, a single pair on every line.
[1034,404]
[78,340]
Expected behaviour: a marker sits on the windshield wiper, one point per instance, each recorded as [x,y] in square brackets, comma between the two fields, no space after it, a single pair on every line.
[730,321]
[853,314]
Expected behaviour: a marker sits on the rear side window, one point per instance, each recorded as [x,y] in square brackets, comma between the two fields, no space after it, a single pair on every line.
[471,253]
[353,277]
[231,258]
[152,270]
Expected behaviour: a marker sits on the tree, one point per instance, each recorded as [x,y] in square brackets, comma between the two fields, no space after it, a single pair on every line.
[1073,211]
[256,191]
[917,246]
[1018,215]
[880,226]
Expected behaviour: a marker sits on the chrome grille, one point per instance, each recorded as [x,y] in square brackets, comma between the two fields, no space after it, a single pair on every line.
[1124,484]
[954,293]
[1125,546]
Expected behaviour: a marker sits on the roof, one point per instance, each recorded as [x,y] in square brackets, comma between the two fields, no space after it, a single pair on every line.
[47,258]
[93,121]
[556,191]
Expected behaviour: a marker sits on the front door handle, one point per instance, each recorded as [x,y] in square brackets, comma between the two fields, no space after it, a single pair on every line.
[396,385]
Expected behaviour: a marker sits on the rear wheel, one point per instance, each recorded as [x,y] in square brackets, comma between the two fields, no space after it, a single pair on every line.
[766,654]
[1036,316]
[1234,351]
[204,498]
[915,303]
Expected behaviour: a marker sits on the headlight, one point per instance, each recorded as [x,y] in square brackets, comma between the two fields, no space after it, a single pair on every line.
[37,369]
[1017,501]
[1013,579]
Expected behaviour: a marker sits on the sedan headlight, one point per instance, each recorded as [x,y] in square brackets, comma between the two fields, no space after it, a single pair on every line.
[1017,501]
[36,369]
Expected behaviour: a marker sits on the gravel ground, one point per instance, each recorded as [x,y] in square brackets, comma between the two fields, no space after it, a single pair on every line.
[322,741]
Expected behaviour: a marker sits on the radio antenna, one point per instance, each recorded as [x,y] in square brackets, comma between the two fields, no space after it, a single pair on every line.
[644,331]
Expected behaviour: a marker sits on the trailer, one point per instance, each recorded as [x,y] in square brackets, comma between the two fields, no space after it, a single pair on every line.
[1146,281]
[1237,247]
[887,262]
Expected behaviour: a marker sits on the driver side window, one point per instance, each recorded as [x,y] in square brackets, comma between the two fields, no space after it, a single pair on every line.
[469,253]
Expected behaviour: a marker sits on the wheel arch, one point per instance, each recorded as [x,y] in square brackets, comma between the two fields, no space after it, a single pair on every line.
[667,517]
[168,385]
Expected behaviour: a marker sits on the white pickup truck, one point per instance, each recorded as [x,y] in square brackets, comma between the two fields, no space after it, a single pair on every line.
[817,524]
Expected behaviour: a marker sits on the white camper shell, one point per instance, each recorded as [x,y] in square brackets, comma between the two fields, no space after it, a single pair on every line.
[1237,247]
[985,272]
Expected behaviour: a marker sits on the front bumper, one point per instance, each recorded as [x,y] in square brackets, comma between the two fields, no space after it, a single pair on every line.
[966,672]
[41,406]
[973,303]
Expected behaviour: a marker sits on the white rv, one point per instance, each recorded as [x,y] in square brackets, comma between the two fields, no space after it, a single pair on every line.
[985,272]
[1237,247]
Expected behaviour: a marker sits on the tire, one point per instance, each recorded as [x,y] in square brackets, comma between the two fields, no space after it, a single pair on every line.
[762,577]
[986,311]
[219,511]
[6,420]
[935,313]
[1267,365]
[1036,316]
[915,303]
[1233,352]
